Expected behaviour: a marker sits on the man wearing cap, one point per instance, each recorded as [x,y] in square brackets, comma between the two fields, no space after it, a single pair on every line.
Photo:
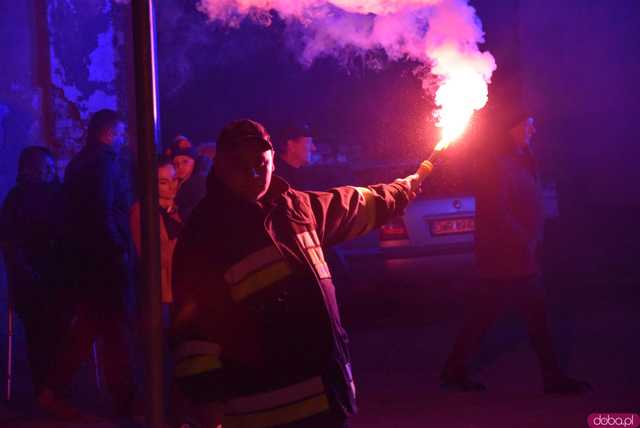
[256,323]
[294,153]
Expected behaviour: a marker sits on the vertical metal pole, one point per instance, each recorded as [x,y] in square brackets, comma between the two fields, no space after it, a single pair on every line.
[144,37]
[10,319]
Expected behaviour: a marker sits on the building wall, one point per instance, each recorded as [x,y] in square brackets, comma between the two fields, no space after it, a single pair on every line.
[20,93]
[88,62]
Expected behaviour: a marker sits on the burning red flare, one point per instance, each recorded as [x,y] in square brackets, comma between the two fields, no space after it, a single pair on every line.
[463,90]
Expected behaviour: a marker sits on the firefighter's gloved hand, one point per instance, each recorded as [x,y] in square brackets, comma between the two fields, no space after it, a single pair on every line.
[414,183]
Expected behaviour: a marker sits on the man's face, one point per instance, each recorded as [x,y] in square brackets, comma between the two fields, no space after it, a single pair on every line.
[184,166]
[115,136]
[167,183]
[247,172]
[300,150]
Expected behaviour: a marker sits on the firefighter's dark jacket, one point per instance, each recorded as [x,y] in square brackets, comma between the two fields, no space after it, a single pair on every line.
[256,324]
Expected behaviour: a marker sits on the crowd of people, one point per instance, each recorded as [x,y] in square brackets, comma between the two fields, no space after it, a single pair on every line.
[252,319]
[71,251]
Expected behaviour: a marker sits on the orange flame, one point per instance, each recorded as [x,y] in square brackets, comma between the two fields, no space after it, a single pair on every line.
[463,89]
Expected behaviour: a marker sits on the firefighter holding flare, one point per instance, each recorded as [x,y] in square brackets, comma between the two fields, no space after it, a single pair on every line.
[256,323]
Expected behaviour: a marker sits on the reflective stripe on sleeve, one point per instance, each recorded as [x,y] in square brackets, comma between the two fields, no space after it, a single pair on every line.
[281,406]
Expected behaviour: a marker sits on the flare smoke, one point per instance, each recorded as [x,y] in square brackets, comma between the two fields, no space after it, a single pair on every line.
[440,34]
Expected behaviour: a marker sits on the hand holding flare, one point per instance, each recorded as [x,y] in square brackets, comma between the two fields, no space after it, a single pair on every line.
[424,170]
[414,181]
[426,167]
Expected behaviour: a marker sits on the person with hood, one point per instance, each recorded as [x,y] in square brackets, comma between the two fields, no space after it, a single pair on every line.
[256,332]
[30,234]
[191,171]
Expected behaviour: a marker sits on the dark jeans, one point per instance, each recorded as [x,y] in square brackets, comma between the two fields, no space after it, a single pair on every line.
[43,324]
[101,313]
[491,300]
[88,326]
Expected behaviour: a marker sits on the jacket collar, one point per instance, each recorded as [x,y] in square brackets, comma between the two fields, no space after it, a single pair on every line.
[278,197]
[99,148]
[276,191]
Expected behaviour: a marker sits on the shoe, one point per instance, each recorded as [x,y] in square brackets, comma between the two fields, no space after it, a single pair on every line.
[564,385]
[460,384]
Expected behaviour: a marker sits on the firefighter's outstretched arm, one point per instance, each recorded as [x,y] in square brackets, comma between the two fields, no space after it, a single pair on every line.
[348,212]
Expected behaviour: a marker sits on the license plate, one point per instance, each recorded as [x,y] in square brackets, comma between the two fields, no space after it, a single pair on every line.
[452,226]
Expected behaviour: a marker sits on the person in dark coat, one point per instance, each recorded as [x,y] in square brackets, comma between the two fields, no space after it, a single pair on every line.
[100,252]
[30,226]
[191,170]
[295,147]
[509,230]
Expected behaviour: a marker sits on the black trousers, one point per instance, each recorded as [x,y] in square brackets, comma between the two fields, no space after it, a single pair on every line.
[45,321]
[101,313]
[492,298]
[113,330]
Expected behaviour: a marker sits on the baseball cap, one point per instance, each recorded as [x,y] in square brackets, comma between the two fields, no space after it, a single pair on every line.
[243,133]
[181,146]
